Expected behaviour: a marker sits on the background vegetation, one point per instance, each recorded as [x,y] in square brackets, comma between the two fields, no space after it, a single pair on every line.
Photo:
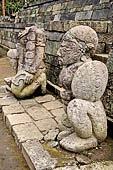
[12,6]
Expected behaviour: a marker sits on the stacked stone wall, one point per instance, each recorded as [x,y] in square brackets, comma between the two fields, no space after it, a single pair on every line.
[56,17]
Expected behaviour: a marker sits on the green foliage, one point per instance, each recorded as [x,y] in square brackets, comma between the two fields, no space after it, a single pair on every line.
[12,6]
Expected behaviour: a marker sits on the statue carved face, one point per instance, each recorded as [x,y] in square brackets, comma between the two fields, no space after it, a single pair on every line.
[70,52]
[79,42]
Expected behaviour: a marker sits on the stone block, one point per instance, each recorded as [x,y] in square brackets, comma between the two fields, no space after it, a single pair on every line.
[100,48]
[100,14]
[67,16]
[87,7]
[57,17]
[52,47]
[58,114]
[53,60]
[104,1]
[54,36]
[12,109]
[107,165]
[45,98]
[56,7]
[110,14]
[82,159]
[105,37]
[57,26]
[83,15]
[46,124]
[49,47]
[53,105]
[27,103]
[3,89]
[48,18]
[2,95]
[7,101]
[16,119]
[75,3]
[49,9]
[52,134]
[70,24]
[24,132]
[68,168]
[38,113]
[36,157]
[100,26]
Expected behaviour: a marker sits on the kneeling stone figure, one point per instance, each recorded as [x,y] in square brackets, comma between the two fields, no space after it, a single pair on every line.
[27,62]
[84,82]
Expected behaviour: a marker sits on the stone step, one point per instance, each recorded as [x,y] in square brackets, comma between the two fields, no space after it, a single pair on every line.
[36,157]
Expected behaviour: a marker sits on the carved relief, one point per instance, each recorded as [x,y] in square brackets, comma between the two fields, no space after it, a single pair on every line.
[30,70]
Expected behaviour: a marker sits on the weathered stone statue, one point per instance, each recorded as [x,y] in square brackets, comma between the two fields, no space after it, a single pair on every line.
[27,62]
[108,95]
[84,82]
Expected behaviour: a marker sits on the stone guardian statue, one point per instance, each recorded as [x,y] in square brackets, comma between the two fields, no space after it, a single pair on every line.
[84,82]
[29,63]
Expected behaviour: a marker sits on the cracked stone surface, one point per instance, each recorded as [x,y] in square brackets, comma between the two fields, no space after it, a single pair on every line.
[27,131]
[45,98]
[13,109]
[34,125]
[38,112]
[7,101]
[68,168]
[53,105]
[107,165]
[38,159]
[52,134]
[46,124]
[28,103]
[16,119]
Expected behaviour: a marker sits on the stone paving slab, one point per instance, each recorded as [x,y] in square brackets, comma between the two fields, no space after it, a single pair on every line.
[6,101]
[57,113]
[12,109]
[36,157]
[53,105]
[45,98]
[107,165]
[38,112]
[68,168]
[16,119]
[2,95]
[28,103]
[24,132]
[46,124]
[29,120]
[3,89]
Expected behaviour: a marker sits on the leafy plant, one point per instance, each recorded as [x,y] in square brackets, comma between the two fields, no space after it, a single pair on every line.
[12,6]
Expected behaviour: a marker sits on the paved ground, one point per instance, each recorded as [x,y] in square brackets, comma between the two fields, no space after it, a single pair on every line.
[10,156]
[34,125]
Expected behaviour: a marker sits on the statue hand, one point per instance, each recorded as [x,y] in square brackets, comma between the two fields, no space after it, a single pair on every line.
[29,79]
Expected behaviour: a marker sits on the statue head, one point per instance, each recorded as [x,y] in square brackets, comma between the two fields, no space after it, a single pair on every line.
[79,43]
